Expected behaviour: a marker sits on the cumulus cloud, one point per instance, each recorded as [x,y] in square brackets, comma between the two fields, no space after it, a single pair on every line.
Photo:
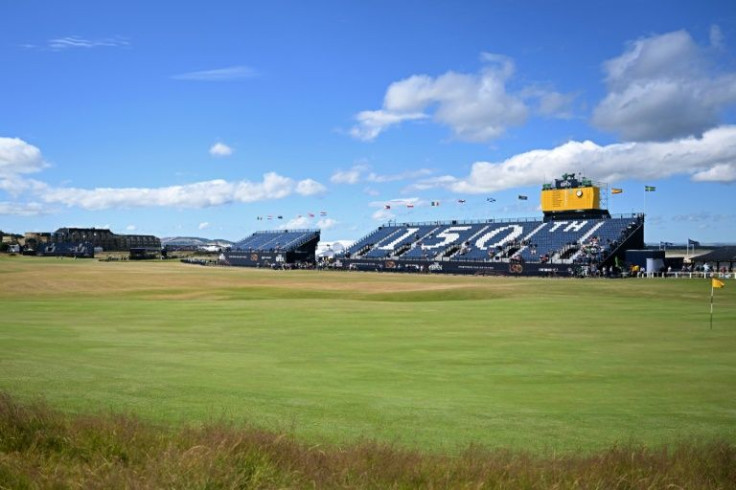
[130,228]
[196,195]
[326,223]
[18,157]
[310,187]
[711,157]
[230,73]
[351,176]
[663,87]
[307,222]
[476,106]
[220,150]
[203,226]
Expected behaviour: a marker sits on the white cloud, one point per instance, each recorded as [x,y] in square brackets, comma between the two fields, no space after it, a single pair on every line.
[220,150]
[351,176]
[298,222]
[724,172]
[326,223]
[362,173]
[196,195]
[130,228]
[709,158]
[477,107]
[203,226]
[310,187]
[383,215]
[716,37]
[18,157]
[230,73]
[76,42]
[307,222]
[373,123]
[662,87]
[22,209]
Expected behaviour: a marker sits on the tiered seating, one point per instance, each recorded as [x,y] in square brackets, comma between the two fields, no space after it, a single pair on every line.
[273,240]
[397,242]
[370,239]
[527,240]
[442,239]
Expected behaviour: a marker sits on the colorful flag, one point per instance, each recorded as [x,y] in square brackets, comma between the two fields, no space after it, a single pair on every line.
[693,243]
[387,206]
[490,199]
[323,213]
[717,284]
[409,205]
[311,215]
[649,188]
[281,217]
[523,198]
[461,201]
[435,203]
[615,190]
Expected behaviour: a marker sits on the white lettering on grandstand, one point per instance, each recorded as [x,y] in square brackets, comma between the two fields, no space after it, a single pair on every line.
[516,231]
[557,225]
[447,237]
[575,226]
[390,246]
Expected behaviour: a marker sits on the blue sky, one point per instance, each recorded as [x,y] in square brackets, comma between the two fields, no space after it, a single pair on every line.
[197,118]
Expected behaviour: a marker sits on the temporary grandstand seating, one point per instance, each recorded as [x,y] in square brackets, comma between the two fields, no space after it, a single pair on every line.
[284,240]
[531,240]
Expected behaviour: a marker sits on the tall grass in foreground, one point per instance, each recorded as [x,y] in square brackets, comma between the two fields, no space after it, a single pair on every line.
[41,448]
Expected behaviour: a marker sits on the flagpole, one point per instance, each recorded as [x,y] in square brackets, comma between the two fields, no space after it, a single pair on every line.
[711,303]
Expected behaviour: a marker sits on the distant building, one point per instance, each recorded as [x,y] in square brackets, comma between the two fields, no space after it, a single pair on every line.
[104,238]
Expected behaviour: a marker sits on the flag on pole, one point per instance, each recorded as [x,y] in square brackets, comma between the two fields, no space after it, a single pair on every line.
[714,284]
[387,206]
[461,201]
[490,199]
[435,203]
[615,190]
[409,205]
[693,243]
[649,188]
[523,198]
[323,213]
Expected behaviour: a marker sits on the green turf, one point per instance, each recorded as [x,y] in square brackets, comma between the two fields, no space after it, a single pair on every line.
[436,362]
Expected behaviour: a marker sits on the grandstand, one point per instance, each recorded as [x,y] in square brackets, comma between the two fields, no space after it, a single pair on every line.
[282,248]
[576,235]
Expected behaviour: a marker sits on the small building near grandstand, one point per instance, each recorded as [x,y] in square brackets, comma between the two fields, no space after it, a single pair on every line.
[280,248]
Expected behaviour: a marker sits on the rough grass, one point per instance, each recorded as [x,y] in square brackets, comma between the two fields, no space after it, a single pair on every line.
[429,363]
[41,448]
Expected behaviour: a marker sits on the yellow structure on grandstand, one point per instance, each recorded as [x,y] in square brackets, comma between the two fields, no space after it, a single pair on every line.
[571,195]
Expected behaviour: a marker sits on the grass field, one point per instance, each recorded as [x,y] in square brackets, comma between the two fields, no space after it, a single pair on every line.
[428,362]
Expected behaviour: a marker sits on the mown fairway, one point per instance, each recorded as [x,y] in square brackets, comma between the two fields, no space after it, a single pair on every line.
[433,362]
